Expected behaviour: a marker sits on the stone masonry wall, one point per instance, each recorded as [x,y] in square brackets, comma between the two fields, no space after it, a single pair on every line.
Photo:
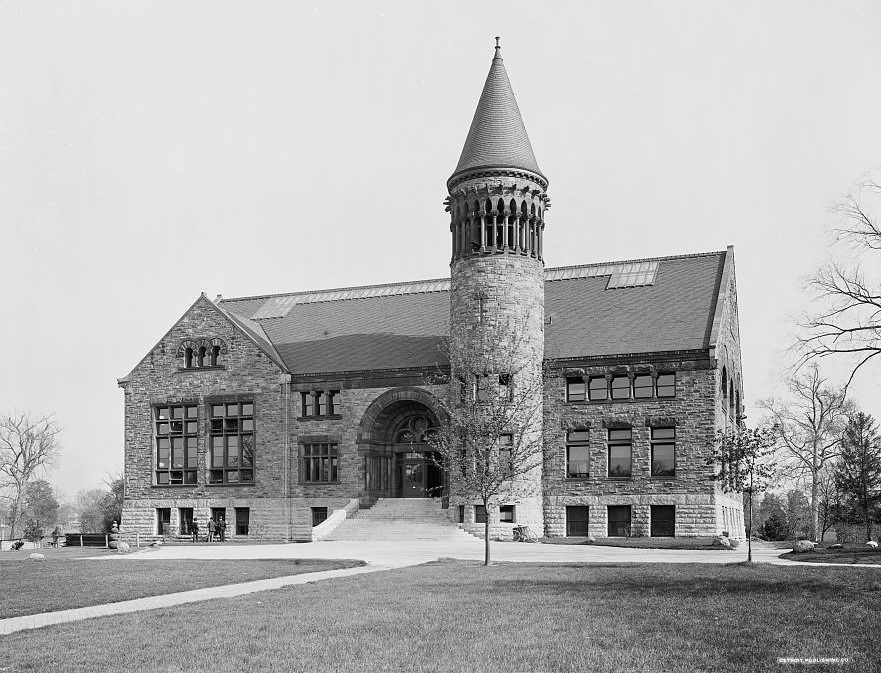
[691,411]
[244,373]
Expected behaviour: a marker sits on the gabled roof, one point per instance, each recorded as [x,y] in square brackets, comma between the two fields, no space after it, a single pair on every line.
[627,307]
[497,137]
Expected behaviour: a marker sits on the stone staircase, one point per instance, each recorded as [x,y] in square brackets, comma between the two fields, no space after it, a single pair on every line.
[399,519]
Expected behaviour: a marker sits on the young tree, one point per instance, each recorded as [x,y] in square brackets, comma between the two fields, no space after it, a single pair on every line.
[111,504]
[848,324]
[27,445]
[489,438]
[809,423]
[858,472]
[745,461]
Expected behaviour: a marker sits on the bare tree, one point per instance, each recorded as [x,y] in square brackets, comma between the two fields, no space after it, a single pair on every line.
[27,445]
[831,499]
[489,439]
[810,422]
[848,324]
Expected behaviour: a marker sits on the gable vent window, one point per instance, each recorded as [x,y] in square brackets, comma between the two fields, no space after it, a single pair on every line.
[201,353]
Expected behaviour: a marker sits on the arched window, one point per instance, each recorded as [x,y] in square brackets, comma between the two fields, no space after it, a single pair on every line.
[188,358]
[198,353]
[202,351]
[500,224]
[215,352]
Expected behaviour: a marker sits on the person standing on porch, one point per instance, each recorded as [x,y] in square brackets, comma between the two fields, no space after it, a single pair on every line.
[195,530]
[221,525]
[212,528]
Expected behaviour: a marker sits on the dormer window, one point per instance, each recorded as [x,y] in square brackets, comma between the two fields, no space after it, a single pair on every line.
[202,353]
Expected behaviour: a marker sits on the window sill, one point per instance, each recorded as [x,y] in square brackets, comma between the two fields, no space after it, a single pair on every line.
[619,478]
[175,485]
[331,417]
[208,368]
[236,483]
[625,399]
[318,483]
[587,478]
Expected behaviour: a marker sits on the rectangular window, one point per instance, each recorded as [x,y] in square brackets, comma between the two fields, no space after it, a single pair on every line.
[308,404]
[243,516]
[666,385]
[185,516]
[177,444]
[479,514]
[619,520]
[576,521]
[218,514]
[231,443]
[331,402]
[620,453]
[643,386]
[461,514]
[318,463]
[506,443]
[663,520]
[620,388]
[319,516]
[598,388]
[663,452]
[481,390]
[163,521]
[576,391]
[506,387]
[321,399]
[577,454]
[506,514]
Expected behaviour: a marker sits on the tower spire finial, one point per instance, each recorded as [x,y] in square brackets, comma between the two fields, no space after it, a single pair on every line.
[498,48]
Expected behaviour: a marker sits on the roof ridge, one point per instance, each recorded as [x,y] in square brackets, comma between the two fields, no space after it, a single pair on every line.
[421,281]
[302,293]
[710,253]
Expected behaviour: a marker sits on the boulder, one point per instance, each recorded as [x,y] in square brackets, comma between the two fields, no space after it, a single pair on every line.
[123,547]
[722,541]
[801,546]
[36,557]
[837,545]
[872,544]
[156,543]
[590,540]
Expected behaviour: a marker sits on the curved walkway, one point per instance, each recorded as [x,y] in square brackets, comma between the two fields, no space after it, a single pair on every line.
[379,555]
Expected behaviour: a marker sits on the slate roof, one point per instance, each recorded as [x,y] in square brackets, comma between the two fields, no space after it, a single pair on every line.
[497,136]
[402,326]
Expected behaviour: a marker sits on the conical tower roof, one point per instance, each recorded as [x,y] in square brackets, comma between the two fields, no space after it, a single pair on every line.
[497,137]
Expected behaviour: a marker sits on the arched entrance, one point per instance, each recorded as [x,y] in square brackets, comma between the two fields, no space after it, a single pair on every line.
[397,459]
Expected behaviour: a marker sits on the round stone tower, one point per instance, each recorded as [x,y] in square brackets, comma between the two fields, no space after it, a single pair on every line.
[497,202]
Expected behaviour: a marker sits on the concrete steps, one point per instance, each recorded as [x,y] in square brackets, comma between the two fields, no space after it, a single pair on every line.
[399,519]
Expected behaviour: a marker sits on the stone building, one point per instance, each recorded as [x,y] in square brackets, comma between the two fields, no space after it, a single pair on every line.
[289,412]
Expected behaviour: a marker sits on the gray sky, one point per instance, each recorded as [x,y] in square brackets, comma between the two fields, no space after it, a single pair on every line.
[150,151]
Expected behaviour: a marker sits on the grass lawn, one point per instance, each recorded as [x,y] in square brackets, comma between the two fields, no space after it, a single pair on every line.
[856,554]
[642,542]
[29,587]
[460,616]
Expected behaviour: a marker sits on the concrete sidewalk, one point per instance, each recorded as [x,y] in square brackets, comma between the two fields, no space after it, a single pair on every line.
[13,624]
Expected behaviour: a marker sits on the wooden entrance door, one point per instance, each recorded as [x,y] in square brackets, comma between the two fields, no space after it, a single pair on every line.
[413,478]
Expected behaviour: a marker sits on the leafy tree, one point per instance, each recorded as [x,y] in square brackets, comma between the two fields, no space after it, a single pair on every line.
[41,506]
[33,530]
[848,322]
[27,445]
[489,437]
[858,472]
[744,458]
[810,422]
[770,507]
[832,500]
[98,508]
[798,514]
